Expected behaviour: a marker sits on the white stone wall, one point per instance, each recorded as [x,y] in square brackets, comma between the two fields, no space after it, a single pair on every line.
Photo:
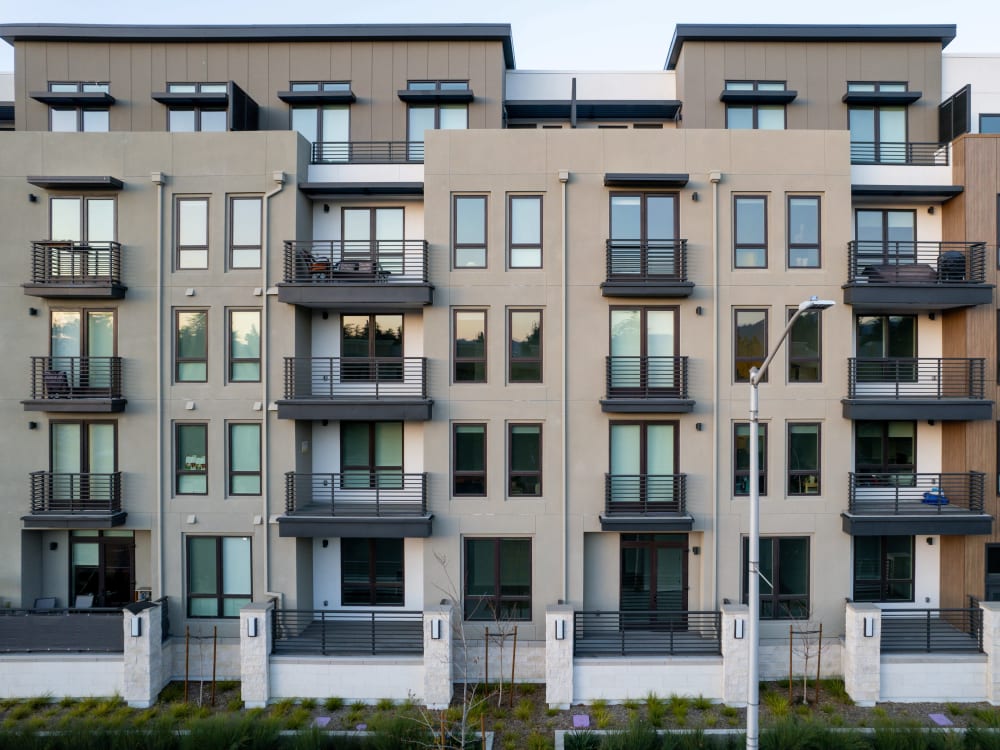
[915,678]
[470,663]
[353,679]
[735,654]
[255,653]
[438,676]
[143,660]
[991,645]
[227,665]
[861,654]
[61,676]
[774,658]
[620,679]
[559,656]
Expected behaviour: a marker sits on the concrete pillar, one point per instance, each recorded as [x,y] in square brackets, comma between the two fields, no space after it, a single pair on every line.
[559,656]
[255,653]
[142,657]
[439,621]
[991,645]
[862,658]
[735,654]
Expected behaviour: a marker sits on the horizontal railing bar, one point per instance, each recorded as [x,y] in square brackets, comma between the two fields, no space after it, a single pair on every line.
[915,262]
[937,378]
[646,377]
[74,262]
[657,260]
[910,493]
[76,377]
[362,493]
[367,152]
[351,261]
[351,378]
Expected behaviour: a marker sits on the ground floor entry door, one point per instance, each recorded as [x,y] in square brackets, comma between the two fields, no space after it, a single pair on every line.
[654,573]
[103,567]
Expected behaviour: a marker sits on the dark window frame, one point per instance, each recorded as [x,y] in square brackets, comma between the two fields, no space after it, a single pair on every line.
[792,246]
[231,472]
[456,473]
[511,245]
[513,474]
[876,108]
[84,440]
[84,199]
[182,472]
[793,360]
[512,359]
[755,106]
[744,474]
[738,245]
[456,359]
[885,466]
[372,467]
[219,596]
[232,360]
[493,604]
[196,109]
[80,109]
[776,599]
[232,246]
[988,114]
[374,585]
[793,474]
[179,360]
[178,247]
[456,245]
[752,361]
[884,581]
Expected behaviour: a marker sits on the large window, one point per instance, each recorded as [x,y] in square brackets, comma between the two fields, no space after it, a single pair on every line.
[643,465]
[750,231]
[643,346]
[218,575]
[72,118]
[644,235]
[741,458]
[803,458]
[244,458]
[470,346]
[524,232]
[191,459]
[524,456]
[468,460]
[244,232]
[755,116]
[436,116]
[784,577]
[191,119]
[878,132]
[244,346]
[469,231]
[191,346]
[328,124]
[803,231]
[883,568]
[886,336]
[749,342]
[82,219]
[885,236]
[83,457]
[371,572]
[191,232]
[497,579]
[525,352]
[371,455]
[82,342]
[374,235]
[885,448]
[805,363]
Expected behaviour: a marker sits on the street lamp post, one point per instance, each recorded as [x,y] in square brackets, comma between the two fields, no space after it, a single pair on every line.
[753,552]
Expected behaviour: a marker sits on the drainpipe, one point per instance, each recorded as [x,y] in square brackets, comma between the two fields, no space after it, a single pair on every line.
[265,444]
[564,397]
[159,179]
[715,177]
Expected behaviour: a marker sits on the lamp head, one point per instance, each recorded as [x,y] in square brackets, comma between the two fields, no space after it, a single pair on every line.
[814,303]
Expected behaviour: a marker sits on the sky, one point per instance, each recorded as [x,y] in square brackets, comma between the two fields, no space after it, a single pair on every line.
[548,34]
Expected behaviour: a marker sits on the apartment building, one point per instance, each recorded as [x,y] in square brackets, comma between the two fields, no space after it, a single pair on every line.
[332,324]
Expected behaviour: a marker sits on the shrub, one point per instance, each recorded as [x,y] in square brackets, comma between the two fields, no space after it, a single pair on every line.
[777,704]
[333,703]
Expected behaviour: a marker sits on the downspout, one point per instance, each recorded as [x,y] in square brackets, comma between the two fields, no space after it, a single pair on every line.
[159,179]
[564,397]
[265,444]
[715,177]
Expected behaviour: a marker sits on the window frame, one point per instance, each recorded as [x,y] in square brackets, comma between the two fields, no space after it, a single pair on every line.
[178,359]
[739,246]
[219,596]
[456,360]
[884,581]
[521,360]
[84,424]
[80,110]
[539,245]
[495,602]
[886,466]
[197,109]
[84,199]
[794,473]
[792,360]
[373,583]
[233,473]
[457,473]
[233,248]
[232,360]
[456,245]
[738,472]
[752,361]
[518,474]
[754,106]
[774,597]
[185,472]
[792,246]
[179,248]
[992,115]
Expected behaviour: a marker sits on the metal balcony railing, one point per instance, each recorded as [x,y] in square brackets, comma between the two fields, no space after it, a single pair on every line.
[647,377]
[911,153]
[647,633]
[906,493]
[912,262]
[928,631]
[76,378]
[915,378]
[645,494]
[653,260]
[368,494]
[348,633]
[68,262]
[85,493]
[356,261]
[347,378]
[91,630]
[368,152]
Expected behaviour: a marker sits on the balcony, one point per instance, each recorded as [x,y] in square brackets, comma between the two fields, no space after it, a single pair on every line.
[915,277]
[637,385]
[76,384]
[75,501]
[82,270]
[390,275]
[949,389]
[910,153]
[353,632]
[64,630]
[650,268]
[355,388]
[367,152]
[645,503]
[647,633]
[383,504]
[907,503]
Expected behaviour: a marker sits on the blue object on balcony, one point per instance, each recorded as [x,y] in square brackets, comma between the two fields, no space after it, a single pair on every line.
[935,497]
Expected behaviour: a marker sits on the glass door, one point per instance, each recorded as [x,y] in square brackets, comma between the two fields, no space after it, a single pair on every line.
[81,344]
[885,236]
[374,235]
[371,455]
[642,465]
[644,235]
[372,348]
[653,579]
[102,568]
[643,352]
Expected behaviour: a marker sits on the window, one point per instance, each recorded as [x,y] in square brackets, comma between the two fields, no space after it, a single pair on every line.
[525,352]
[469,231]
[83,459]
[497,579]
[784,577]
[804,348]
[371,347]
[371,572]
[644,235]
[468,460]
[803,459]
[79,118]
[750,231]
[878,132]
[524,456]
[883,568]
[643,466]
[191,346]
[885,452]
[371,455]
[219,575]
[524,234]
[374,235]
[192,233]
[643,348]
[244,346]
[803,231]
[437,116]
[754,116]
[244,459]
[197,119]
[244,232]
[329,125]
[989,123]
[886,337]
[885,236]
[750,345]
[741,458]
[82,219]
[82,343]
[191,459]
[470,346]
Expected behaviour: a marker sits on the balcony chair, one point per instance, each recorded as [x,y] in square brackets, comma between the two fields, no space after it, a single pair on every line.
[56,384]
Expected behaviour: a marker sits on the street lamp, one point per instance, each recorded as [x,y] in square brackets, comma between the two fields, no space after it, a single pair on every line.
[753,553]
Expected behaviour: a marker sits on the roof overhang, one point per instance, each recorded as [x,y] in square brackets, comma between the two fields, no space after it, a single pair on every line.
[597,109]
[65,182]
[320,189]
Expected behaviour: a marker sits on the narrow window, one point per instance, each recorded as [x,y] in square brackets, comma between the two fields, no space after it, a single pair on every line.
[804,348]
[371,572]
[244,459]
[191,459]
[470,346]
[525,231]
[469,231]
[244,232]
[750,231]
[244,346]
[468,460]
[784,577]
[524,449]
[497,579]
[750,338]
[218,575]
[192,233]
[741,458]
[803,459]
[525,352]
[803,231]
[191,346]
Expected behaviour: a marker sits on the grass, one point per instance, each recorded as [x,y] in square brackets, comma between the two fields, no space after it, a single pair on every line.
[524,709]
[333,703]
[776,703]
